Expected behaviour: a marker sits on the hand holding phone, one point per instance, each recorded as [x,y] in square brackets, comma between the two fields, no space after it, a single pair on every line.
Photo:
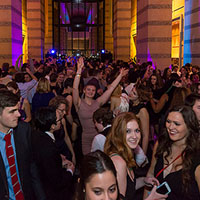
[155,195]
[163,188]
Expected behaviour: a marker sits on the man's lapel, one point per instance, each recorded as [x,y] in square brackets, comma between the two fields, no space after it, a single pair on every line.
[3,174]
[19,152]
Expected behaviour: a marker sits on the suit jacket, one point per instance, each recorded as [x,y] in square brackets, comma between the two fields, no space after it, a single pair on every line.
[56,180]
[28,172]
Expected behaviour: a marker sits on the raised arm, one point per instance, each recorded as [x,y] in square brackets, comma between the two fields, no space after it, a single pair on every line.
[144,119]
[161,103]
[69,114]
[75,93]
[106,95]
[31,74]
[121,169]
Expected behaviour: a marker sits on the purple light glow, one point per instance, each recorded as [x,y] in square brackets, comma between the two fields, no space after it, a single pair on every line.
[89,17]
[149,59]
[64,14]
[16,29]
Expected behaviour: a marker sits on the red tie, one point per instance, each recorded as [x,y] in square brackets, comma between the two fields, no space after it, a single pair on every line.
[13,172]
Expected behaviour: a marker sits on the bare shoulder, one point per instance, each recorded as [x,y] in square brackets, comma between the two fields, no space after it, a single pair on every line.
[143,112]
[69,97]
[119,162]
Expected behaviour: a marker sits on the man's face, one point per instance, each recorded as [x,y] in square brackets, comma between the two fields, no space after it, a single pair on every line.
[9,118]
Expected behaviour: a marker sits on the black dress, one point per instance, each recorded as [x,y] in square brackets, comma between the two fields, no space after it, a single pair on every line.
[130,190]
[174,181]
[136,109]
[61,144]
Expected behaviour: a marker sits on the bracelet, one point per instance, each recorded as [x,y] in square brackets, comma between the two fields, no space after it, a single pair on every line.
[78,75]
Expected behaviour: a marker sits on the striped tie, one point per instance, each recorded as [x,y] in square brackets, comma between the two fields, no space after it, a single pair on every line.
[13,172]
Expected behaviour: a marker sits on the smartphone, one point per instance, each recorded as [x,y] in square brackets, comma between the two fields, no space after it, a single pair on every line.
[163,188]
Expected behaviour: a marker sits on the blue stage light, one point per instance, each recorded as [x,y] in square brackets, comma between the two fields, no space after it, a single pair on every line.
[53,51]
[102,51]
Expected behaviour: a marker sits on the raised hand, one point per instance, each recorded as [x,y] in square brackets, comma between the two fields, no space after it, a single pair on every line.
[80,64]
[151,181]
[124,71]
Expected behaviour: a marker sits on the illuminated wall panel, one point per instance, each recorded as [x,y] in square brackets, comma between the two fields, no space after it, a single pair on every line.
[133,28]
[24,30]
[192,32]
[11,31]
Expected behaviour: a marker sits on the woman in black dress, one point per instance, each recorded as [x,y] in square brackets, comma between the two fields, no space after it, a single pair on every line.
[176,155]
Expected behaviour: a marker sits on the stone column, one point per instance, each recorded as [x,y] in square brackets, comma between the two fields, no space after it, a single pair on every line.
[36,28]
[192,32]
[154,31]
[108,25]
[11,31]
[122,28]
[48,26]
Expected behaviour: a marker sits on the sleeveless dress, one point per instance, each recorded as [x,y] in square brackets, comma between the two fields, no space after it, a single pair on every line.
[130,188]
[174,181]
[85,114]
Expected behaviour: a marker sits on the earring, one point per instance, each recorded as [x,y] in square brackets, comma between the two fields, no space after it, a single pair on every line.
[83,190]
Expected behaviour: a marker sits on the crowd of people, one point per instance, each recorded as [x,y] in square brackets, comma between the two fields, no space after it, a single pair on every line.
[83,129]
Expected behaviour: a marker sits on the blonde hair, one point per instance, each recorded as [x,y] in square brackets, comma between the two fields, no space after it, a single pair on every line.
[43,86]
[116,139]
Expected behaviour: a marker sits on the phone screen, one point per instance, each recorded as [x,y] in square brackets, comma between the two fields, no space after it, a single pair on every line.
[162,189]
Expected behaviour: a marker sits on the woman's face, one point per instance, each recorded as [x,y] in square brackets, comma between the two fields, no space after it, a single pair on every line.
[133,134]
[27,78]
[133,94]
[176,127]
[101,186]
[90,91]
[153,80]
[60,78]
[61,110]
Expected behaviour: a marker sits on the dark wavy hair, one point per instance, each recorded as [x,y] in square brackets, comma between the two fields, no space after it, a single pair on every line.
[44,118]
[93,163]
[104,116]
[192,142]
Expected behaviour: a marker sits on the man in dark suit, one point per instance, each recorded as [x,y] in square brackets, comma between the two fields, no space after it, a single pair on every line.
[20,179]
[56,172]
